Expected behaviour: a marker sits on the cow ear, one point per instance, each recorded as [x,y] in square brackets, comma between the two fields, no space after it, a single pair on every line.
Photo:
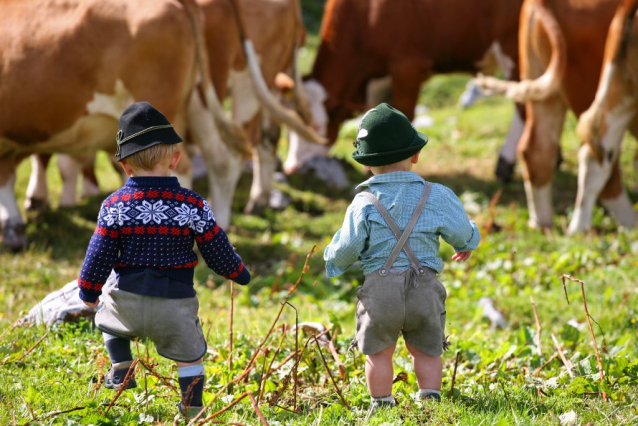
[284,82]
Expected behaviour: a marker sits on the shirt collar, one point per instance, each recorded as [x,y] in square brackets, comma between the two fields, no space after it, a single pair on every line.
[392,177]
[164,181]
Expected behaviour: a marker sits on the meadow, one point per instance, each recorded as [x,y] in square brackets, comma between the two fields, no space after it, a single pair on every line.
[541,368]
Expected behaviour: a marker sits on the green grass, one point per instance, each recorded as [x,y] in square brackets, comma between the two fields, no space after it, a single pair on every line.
[56,380]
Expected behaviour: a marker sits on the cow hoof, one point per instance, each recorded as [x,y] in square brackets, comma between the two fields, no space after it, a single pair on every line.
[328,170]
[279,200]
[255,207]
[14,238]
[504,170]
[36,205]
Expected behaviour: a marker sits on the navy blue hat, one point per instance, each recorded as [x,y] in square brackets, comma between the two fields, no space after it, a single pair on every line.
[141,127]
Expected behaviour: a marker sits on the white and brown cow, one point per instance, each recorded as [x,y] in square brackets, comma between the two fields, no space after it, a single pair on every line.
[234,31]
[408,41]
[70,68]
[601,127]
[562,43]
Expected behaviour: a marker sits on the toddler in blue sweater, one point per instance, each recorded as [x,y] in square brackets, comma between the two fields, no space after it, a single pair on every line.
[145,233]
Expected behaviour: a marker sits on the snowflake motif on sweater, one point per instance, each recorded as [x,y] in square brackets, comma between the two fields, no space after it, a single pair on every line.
[152,222]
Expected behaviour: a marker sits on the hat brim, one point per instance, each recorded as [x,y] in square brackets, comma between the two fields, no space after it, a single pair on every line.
[140,143]
[385,158]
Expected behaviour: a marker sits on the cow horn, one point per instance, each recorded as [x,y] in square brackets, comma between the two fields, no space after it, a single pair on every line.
[590,123]
[281,114]
[300,100]
[278,111]
[231,133]
[548,83]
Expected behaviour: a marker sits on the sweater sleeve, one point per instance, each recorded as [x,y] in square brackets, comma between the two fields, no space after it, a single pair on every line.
[218,253]
[101,253]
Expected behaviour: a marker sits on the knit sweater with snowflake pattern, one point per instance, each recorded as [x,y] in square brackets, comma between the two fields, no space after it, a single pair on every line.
[151,223]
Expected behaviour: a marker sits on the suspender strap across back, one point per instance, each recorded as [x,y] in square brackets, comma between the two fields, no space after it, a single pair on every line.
[402,237]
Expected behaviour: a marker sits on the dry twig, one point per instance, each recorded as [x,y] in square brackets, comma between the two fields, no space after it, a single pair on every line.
[591,329]
[551,358]
[538,327]
[568,365]
[232,307]
[343,400]
[257,410]
[127,378]
[456,364]
[24,355]
[249,367]
[223,410]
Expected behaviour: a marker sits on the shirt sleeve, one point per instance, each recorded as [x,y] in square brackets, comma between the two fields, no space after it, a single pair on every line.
[457,229]
[218,253]
[101,254]
[347,244]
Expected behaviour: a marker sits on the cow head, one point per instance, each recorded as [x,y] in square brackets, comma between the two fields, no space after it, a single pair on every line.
[300,150]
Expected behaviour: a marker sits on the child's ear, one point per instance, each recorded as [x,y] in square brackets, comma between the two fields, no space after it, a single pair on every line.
[126,167]
[177,155]
[415,157]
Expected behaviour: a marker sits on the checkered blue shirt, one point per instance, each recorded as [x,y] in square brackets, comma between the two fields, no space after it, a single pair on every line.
[365,236]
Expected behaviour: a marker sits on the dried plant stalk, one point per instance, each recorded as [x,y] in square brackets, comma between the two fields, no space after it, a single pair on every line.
[591,329]
[538,327]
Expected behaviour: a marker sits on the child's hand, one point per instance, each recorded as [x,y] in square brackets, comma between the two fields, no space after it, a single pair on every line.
[461,256]
[92,305]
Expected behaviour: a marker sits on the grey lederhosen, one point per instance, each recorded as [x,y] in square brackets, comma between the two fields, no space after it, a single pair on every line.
[411,302]
[171,324]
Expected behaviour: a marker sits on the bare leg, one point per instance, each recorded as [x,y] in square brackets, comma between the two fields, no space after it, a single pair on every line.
[379,372]
[428,369]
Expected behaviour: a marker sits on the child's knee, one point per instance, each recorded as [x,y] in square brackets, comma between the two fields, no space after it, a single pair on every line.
[416,352]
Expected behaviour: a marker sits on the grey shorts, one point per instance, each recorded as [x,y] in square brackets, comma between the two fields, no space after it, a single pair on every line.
[171,324]
[392,304]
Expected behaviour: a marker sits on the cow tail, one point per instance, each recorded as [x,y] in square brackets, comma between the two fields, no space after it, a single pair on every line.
[590,123]
[278,112]
[231,133]
[549,82]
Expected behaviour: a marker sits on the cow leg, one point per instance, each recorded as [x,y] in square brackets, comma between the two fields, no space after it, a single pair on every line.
[601,177]
[539,149]
[70,170]
[90,186]
[264,166]
[507,154]
[406,84]
[10,219]
[616,201]
[37,197]
[633,129]
[224,165]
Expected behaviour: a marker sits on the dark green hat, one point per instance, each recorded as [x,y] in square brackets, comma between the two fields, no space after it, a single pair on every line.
[386,136]
[141,127]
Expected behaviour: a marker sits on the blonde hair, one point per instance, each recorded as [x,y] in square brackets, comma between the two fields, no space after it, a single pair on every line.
[151,157]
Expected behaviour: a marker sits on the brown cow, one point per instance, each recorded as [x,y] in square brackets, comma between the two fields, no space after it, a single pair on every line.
[561,52]
[407,40]
[69,69]
[276,28]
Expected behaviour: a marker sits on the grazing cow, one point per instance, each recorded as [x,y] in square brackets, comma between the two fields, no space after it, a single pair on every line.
[276,29]
[408,41]
[562,43]
[601,127]
[69,69]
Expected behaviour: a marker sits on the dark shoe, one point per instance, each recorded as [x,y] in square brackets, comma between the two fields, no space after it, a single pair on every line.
[114,378]
[431,395]
[379,405]
[188,412]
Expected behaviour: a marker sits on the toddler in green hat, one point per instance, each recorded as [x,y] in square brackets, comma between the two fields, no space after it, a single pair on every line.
[393,229]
